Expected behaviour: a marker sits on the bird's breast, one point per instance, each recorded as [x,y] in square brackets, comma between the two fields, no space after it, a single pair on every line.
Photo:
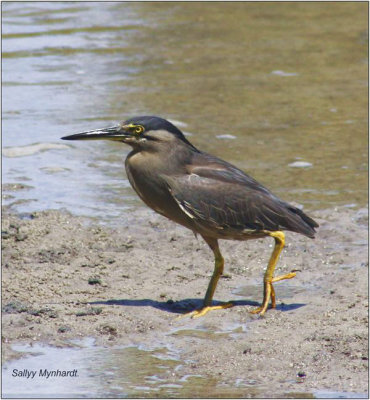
[144,179]
[145,175]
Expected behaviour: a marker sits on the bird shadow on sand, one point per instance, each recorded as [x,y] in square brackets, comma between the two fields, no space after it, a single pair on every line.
[186,305]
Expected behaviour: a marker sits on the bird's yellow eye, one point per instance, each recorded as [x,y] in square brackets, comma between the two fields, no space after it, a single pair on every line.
[139,129]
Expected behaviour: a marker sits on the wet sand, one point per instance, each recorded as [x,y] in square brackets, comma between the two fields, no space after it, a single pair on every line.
[64,278]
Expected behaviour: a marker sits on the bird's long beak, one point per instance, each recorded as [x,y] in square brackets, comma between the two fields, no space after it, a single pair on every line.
[117,132]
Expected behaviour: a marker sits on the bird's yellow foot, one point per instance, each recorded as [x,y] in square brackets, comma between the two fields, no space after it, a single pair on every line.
[286,276]
[203,311]
[269,293]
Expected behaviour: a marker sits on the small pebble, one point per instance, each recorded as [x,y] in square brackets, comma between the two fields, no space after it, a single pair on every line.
[226,136]
[300,164]
[94,281]
[64,328]
[283,73]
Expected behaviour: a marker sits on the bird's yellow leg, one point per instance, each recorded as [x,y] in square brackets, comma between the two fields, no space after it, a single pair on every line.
[268,289]
[219,268]
[273,297]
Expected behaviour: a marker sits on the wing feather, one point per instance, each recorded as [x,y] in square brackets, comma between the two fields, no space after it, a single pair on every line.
[222,196]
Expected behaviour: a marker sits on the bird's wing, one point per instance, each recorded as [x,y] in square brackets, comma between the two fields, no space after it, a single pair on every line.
[224,198]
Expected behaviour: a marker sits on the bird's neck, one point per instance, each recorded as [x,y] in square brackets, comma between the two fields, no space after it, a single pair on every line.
[163,160]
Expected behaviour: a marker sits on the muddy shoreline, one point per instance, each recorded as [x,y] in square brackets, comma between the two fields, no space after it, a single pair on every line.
[65,278]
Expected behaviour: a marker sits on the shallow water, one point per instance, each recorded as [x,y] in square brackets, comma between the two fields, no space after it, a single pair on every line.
[108,372]
[286,83]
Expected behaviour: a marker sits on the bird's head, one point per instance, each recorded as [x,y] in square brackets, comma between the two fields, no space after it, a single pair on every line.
[145,132]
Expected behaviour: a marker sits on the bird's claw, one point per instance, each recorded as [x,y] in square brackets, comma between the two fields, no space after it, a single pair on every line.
[270,294]
[282,277]
[204,310]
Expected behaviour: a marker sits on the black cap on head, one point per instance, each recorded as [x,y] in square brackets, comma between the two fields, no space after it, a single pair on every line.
[153,123]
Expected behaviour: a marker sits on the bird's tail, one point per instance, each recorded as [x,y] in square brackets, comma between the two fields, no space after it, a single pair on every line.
[308,228]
